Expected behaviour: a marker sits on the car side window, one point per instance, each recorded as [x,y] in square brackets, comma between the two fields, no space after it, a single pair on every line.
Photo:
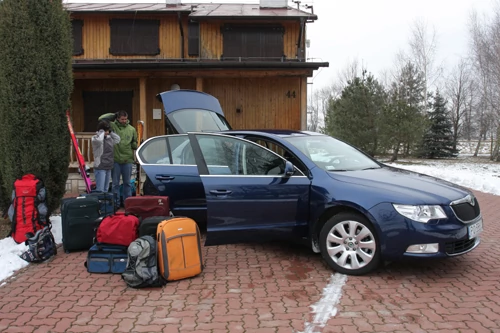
[167,150]
[231,156]
[259,162]
[278,149]
[154,151]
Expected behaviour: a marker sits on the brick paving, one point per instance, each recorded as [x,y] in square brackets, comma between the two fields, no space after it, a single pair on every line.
[264,288]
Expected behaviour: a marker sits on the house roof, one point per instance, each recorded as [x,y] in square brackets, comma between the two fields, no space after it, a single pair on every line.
[197,11]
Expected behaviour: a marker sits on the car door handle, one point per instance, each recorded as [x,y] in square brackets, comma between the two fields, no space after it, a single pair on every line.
[163,177]
[221,192]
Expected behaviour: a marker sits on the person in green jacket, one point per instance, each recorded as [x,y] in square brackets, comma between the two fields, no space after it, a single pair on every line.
[123,153]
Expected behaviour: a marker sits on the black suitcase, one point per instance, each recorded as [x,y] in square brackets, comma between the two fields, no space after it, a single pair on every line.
[149,225]
[106,201]
[79,219]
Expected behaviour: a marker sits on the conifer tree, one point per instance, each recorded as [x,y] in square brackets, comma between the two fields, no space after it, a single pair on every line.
[354,117]
[35,87]
[438,140]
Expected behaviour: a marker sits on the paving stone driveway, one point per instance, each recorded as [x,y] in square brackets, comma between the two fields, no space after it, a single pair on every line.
[265,288]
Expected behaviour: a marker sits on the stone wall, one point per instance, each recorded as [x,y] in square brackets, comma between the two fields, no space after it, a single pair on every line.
[76,185]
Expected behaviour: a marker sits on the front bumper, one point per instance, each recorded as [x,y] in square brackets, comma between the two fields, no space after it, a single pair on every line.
[397,233]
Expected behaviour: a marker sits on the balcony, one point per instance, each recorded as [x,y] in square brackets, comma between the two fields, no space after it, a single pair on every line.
[85,143]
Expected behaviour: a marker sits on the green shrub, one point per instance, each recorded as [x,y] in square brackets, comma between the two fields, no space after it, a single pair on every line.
[35,86]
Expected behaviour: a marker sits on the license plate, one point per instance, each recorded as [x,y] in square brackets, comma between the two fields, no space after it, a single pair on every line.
[475,229]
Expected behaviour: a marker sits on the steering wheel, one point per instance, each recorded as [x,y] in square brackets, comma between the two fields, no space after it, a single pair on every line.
[334,160]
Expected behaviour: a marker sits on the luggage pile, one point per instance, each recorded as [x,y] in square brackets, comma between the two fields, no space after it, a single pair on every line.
[146,244]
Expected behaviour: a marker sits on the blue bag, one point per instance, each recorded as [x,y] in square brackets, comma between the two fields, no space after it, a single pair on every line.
[105,258]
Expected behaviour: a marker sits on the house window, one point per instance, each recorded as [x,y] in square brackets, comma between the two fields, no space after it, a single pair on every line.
[253,42]
[97,103]
[134,37]
[76,27]
[193,39]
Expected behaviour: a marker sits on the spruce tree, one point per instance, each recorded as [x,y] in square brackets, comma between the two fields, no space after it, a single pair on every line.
[402,120]
[438,140]
[354,117]
[35,87]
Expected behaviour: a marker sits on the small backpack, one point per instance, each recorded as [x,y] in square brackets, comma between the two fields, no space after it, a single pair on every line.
[28,212]
[41,246]
[142,268]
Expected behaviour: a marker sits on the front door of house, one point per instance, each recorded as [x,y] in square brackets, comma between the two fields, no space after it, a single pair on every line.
[96,103]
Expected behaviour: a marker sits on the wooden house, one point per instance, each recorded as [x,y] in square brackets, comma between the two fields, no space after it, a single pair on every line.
[249,56]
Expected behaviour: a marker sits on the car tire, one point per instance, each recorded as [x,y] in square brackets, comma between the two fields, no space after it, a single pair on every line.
[344,250]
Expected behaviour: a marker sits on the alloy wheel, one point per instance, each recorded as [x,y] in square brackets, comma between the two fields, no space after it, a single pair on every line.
[351,245]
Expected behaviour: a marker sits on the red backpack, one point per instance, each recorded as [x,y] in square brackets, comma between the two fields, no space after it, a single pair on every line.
[28,211]
[118,229]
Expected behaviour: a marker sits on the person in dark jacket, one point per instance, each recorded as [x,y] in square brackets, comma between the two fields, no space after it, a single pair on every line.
[124,152]
[103,146]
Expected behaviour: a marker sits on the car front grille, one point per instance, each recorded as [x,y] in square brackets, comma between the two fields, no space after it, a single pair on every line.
[466,212]
[452,248]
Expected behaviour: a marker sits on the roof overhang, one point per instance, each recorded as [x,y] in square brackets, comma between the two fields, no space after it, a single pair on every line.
[117,64]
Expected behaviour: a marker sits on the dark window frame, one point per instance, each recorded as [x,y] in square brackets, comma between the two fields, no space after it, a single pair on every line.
[253,41]
[131,37]
[77,35]
[99,102]
[193,38]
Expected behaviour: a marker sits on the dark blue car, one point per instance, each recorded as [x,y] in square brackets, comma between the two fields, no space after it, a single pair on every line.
[312,188]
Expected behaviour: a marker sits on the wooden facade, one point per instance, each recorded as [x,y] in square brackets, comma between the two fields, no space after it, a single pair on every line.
[96,36]
[254,93]
[248,103]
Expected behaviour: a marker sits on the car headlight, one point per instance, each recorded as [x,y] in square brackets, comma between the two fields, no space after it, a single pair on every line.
[422,213]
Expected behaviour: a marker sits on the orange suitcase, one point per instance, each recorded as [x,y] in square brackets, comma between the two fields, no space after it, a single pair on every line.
[179,249]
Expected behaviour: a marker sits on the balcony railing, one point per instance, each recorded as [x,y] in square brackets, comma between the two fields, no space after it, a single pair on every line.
[85,144]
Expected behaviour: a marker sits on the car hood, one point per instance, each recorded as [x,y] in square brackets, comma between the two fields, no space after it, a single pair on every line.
[403,186]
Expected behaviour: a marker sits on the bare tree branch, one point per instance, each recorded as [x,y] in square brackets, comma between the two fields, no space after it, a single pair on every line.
[423,48]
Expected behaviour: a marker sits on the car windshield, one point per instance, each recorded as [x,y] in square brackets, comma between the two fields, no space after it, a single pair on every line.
[198,120]
[331,154]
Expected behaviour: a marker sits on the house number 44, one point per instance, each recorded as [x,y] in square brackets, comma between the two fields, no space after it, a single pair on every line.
[290,94]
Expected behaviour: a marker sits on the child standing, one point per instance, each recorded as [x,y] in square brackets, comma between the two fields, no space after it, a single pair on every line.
[103,145]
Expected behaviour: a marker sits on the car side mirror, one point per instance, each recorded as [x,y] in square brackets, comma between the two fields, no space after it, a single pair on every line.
[289,169]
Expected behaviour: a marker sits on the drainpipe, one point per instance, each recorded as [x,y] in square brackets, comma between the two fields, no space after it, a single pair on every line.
[182,34]
[300,50]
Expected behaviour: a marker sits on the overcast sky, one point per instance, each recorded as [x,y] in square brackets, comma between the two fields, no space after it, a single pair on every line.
[373,31]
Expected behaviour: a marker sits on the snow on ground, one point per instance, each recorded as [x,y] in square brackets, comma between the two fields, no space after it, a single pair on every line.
[326,307]
[476,175]
[10,251]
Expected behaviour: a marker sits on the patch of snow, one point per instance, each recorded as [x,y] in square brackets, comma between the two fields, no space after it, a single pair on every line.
[469,147]
[10,251]
[326,307]
[484,177]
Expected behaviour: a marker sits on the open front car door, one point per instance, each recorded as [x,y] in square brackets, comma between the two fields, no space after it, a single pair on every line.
[251,192]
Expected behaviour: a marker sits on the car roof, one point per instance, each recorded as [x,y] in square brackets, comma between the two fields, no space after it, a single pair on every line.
[269,132]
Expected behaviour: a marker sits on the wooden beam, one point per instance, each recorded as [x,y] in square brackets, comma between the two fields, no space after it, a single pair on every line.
[303,103]
[78,75]
[199,117]
[199,83]
[142,103]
